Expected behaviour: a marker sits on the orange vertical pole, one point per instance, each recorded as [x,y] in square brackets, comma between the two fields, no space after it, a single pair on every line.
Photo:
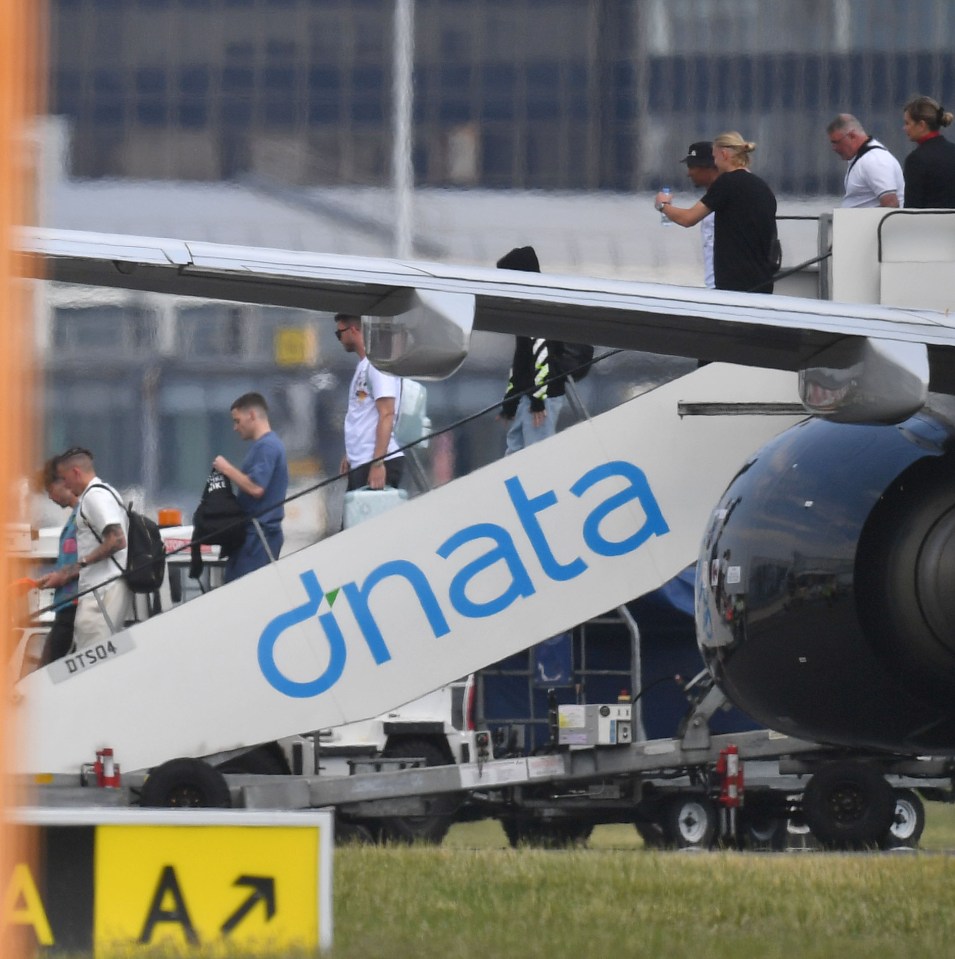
[22,23]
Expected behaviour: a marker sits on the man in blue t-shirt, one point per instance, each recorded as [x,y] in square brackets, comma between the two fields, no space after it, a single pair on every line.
[261,486]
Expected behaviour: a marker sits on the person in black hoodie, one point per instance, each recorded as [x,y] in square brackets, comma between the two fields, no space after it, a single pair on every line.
[531,407]
[535,393]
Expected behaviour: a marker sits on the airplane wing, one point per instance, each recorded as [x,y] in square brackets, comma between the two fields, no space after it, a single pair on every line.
[772,331]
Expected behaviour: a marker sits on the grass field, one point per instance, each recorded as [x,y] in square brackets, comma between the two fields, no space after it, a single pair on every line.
[474,898]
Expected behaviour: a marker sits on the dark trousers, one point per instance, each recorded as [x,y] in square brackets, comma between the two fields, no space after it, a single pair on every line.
[60,638]
[251,555]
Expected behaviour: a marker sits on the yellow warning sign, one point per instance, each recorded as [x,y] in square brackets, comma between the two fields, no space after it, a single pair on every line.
[296,346]
[23,907]
[248,886]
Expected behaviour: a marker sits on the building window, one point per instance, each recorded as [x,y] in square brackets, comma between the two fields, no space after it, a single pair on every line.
[111,332]
[210,330]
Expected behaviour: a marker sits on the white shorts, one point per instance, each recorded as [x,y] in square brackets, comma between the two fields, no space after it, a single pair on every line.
[91,626]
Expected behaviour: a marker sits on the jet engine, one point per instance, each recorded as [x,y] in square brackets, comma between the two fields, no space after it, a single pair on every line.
[825,602]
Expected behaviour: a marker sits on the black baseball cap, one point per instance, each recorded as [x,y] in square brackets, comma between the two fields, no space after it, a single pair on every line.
[699,154]
[520,258]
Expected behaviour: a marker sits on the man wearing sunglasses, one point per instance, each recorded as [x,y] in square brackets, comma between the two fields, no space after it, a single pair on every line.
[371,450]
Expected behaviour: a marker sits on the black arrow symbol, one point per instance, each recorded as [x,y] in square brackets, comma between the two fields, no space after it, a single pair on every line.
[263,890]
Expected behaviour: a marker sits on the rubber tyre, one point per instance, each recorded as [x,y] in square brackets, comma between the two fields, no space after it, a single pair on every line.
[762,833]
[849,805]
[432,828]
[354,833]
[689,822]
[908,822]
[186,784]
[560,834]
[261,761]
[652,834]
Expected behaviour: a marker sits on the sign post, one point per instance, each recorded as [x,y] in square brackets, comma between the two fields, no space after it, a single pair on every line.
[116,879]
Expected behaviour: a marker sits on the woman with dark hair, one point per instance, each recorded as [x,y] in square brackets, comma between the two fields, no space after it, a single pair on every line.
[930,168]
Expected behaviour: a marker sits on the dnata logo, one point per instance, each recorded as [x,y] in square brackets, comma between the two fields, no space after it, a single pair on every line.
[629,485]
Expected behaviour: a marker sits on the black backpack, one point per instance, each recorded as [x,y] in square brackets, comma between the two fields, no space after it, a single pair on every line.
[145,550]
[775,254]
[217,521]
[576,360]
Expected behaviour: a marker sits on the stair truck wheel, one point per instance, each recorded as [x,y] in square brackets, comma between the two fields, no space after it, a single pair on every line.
[908,821]
[554,834]
[353,832]
[849,805]
[266,760]
[432,827]
[689,822]
[186,784]
[763,824]
[651,832]
[763,833]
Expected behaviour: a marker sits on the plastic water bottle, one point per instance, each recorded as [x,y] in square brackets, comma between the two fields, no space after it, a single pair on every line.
[668,195]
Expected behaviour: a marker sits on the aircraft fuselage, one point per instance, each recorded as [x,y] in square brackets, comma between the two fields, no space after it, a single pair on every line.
[825,606]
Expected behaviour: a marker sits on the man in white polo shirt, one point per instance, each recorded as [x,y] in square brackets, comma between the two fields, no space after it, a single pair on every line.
[873,176]
[101,527]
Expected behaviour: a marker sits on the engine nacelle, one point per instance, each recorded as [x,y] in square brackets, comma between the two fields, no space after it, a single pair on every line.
[826,584]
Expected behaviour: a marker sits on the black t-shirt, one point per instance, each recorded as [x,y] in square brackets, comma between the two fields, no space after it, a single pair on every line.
[930,175]
[745,227]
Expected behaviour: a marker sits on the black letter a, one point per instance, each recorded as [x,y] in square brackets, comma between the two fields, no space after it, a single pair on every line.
[179,913]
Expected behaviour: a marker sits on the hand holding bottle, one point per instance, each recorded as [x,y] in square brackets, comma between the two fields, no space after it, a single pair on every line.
[663,198]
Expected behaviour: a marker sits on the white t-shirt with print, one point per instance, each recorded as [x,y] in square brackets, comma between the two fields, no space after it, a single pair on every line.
[361,421]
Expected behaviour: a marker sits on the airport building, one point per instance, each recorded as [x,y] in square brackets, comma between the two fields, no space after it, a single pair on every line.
[512,94]
[269,123]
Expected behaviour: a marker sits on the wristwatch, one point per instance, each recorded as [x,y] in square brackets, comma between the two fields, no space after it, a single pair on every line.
[81,563]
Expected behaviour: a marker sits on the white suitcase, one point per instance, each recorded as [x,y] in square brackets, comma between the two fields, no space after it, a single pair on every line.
[364,504]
